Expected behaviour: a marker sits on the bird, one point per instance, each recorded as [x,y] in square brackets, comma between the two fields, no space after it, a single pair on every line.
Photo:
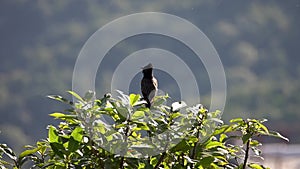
[149,84]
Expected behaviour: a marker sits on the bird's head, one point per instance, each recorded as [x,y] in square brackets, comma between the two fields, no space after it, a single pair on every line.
[147,69]
[149,66]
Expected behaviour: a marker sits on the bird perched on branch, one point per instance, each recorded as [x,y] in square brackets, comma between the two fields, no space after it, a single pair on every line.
[148,84]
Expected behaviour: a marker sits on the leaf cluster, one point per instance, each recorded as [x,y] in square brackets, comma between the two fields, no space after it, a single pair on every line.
[122,133]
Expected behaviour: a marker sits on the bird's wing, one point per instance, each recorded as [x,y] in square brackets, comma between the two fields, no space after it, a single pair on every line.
[155,82]
[146,87]
[153,92]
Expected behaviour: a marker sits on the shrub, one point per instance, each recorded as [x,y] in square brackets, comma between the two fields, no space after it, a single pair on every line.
[122,133]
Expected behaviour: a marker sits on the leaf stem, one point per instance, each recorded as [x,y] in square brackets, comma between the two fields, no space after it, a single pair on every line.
[197,135]
[246,154]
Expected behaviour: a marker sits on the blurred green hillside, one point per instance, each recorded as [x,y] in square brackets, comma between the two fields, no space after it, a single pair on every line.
[258,43]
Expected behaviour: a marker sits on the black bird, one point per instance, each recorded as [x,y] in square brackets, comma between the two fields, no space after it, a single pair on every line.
[148,84]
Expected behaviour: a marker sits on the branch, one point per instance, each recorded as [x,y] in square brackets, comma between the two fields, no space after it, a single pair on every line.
[123,158]
[247,154]
[160,160]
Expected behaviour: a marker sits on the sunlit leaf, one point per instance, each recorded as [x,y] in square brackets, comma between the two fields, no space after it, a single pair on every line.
[75,95]
[213,144]
[77,134]
[237,120]
[134,98]
[59,98]
[142,126]
[256,166]
[52,134]
[278,135]
[137,115]
[255,143]
[29,152]
[222,137]
[192,139]
[60,115]
[265,129]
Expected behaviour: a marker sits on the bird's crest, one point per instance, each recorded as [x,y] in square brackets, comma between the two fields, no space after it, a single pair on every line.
[149,66]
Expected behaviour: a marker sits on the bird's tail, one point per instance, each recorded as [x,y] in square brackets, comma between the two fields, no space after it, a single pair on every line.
[148,104]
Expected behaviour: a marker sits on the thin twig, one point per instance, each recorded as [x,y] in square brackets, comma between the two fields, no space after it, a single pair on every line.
[122,163]
[160,160]
[123,158]
[197,135]
[246,154]
[195,146]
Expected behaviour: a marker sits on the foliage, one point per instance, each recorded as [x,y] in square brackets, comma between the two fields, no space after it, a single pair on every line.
[134,136]
[38,56]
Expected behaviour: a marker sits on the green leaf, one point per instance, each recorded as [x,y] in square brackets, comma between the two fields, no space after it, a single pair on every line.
[202,109]
[73,145]
[29,152]
[52,135]
[89,95]
[43,146]
[174,115]
[246,137]
[181,146]
[59,115]
[222,137]
[2,162]
[192,139]
[75,95]
[153,161]
[137,115]
[100,128]
[77,134]
[61,99]
[8,151]
[159,100]
[58,149]
[134,98]
[278,135]
[255,143]
[223,129]
[256,166]
[206,161]
[265,129]
[142,126]
[237,120]
[213,144]
[122,112]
